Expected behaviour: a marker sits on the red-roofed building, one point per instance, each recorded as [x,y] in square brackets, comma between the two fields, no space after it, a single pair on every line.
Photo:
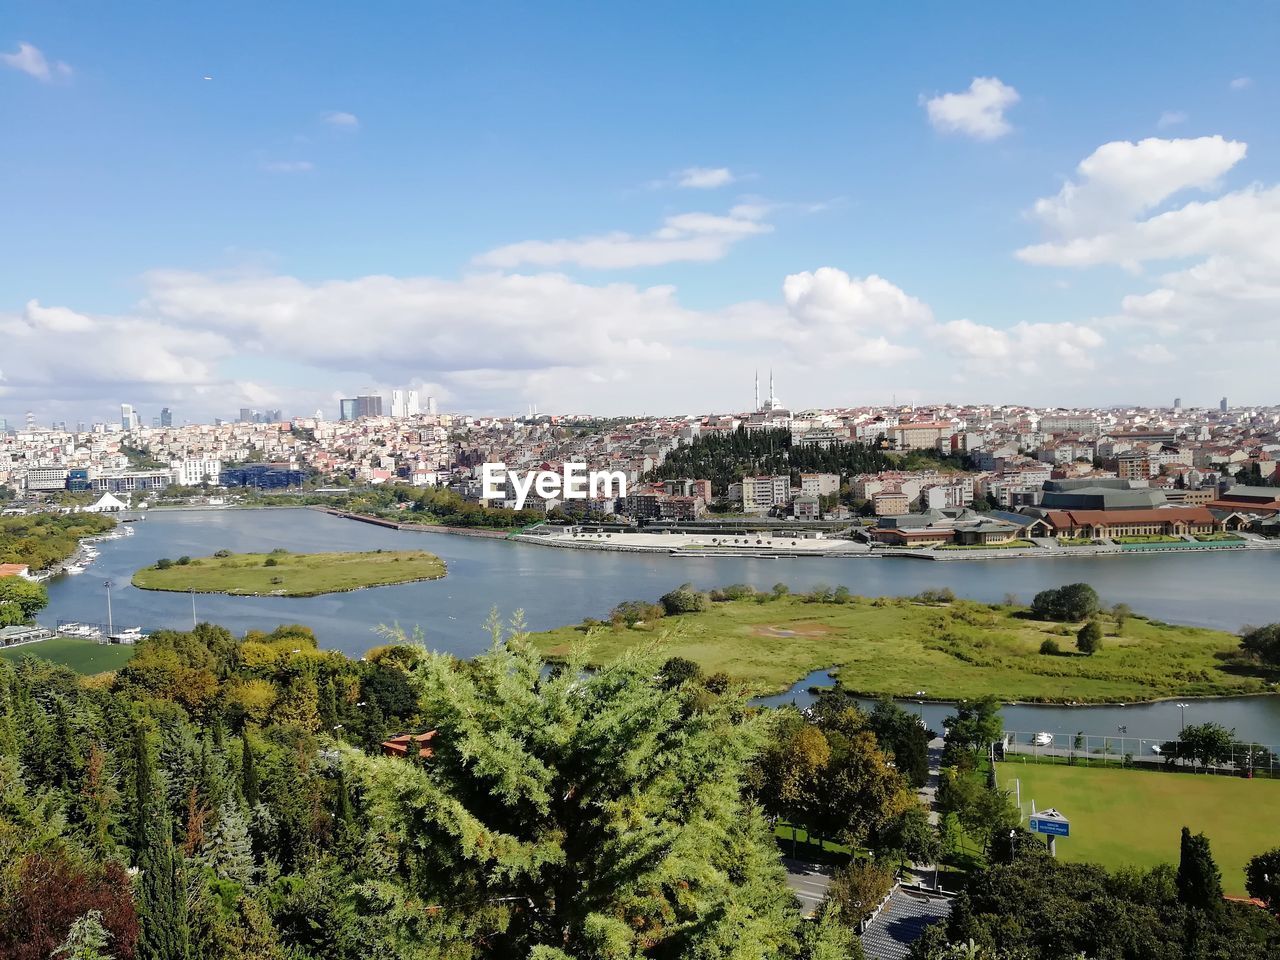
[14,570]
[1167,521]
[399,746]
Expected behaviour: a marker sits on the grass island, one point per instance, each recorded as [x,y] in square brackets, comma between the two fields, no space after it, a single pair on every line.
[284,574]
[952,649]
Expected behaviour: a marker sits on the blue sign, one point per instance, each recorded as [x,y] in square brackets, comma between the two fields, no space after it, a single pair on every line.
[1058,826]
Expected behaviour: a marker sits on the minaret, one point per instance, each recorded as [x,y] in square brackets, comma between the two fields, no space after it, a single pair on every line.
[772,402]
[757,389]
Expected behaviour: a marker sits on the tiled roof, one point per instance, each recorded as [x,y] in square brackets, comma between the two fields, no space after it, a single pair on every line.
[901,922]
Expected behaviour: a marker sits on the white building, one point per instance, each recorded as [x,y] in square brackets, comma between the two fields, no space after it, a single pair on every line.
[759,494]
[193,472]
[411,404]
[397,404]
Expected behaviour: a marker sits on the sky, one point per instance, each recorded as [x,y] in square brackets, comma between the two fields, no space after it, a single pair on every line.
[630,208]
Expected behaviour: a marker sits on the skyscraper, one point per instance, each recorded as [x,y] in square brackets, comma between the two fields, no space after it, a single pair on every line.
[397,404]
[347,409]
[431,406]
[128,419]
[166,417]
[1222,404]
[411,404]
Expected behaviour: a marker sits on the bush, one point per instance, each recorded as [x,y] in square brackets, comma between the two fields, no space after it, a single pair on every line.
[842,595]
[1089,639]
[222,554]
[780,590]
[1049,647]
[1074,602]
[278,551]
[183,561]
[936,595]
[631,612]
[164,563]
[683,599]
[270,562]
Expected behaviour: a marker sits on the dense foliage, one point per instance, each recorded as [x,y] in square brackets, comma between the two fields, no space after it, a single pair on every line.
[224,797]
[724,458]
[1074,602]
[1039,908]
[1263,643]
[20,600]
[42,539]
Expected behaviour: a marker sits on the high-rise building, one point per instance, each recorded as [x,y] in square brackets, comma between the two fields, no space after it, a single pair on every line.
[1222,404]
[166,417]
[347,409]
[411,404]
[397,404]
[128,417]
[1177,403]
[368,406]
[431,406]
[273,416]
[246,415]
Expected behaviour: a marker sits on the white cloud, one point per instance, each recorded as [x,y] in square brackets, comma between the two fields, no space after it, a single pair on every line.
[704,178]
[1024,345]
[1171,118]
[1119,181]
[342,120]
[1153,353]
[31,61]
[977,112]
[288,166]
[1241,83]
[682,237]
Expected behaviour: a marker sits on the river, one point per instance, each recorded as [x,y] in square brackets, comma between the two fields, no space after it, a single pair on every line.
[557,586]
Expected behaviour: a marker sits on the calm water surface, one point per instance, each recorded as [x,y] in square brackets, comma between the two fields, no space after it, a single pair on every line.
[558,586]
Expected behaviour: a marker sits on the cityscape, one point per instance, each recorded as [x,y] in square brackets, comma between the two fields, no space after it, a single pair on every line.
[570,481]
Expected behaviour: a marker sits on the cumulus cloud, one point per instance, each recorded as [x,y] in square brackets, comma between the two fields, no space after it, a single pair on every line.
[704,178]
[1073,345]
[977,112]
[342,120]
[31,60]
[288,166]
[682,237]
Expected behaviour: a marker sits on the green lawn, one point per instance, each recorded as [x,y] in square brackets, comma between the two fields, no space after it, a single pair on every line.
[292,574]
[1149,538]
[952,651]
[1133,817]
[82,656]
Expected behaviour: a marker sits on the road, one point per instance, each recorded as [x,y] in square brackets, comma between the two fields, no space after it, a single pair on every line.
[809,882]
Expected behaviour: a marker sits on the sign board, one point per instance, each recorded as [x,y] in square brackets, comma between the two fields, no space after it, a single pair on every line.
[1051,823]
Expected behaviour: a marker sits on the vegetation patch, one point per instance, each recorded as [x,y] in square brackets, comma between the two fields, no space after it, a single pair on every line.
[285,574]
[952,649]
[42,539]
[1131,818]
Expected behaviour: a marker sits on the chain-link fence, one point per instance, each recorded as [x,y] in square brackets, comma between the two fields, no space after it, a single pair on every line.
[1201,755]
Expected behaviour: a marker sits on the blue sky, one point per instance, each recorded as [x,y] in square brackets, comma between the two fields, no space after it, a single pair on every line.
[229,227]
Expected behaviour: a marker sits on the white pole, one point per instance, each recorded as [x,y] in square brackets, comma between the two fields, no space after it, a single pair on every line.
[110,629]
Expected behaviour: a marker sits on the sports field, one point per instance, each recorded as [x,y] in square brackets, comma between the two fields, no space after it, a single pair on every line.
[82,656]
[1134,817]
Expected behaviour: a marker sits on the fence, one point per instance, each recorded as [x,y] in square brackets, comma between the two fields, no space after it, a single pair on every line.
[1240,758]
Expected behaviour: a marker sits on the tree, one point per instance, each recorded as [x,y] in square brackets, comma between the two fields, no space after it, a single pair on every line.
[901,734]
[1206,744]
[1262,642]
[1199,880]
[1089,639]
[858,887]
[248,774]
[1262,878]
[164,563]
[87,939]
[27,597]
[975,725]
[1121,613]
[1049,647]
[683,599]
[574,814]
[678,670]
[1074,602]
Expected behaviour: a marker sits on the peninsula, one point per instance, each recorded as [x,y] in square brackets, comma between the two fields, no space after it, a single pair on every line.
[284,574]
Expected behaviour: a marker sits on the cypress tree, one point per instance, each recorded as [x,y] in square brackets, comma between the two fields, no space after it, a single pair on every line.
[248,775]
[328,707]
[163,933]
[1199,879]
[144,787]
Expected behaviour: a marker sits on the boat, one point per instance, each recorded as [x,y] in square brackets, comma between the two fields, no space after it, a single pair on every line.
[83,631]
[73,569]
[1042,739]
[127,635]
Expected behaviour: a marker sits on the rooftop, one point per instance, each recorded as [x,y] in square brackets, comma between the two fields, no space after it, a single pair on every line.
[901,922]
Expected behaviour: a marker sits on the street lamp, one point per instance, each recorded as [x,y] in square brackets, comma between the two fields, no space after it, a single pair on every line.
[1183,708]
[192,591]
[110,629]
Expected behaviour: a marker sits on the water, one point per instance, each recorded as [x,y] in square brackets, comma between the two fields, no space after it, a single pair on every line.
[558,586]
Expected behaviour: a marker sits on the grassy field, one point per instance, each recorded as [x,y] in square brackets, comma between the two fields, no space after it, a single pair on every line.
[82,656]
[292,574]
[952,651]
[1133,817]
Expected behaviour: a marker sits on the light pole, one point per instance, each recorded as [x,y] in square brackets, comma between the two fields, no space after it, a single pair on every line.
[1183,708]
[192,591]
[110,629]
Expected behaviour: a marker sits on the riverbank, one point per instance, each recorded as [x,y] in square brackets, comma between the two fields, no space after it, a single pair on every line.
[284,574]
[901,647]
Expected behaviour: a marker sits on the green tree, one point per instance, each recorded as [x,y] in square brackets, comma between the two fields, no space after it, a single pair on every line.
[248,773]
[1199,880]
[975,725]
[1089,639]
[86,940]
[858,887]
[1262,878]
[1121,613]
[1262,642]
[683,599]
[1075,601]
[605,805]
[25,597]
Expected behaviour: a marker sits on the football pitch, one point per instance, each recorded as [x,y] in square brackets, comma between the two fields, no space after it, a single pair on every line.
[1134,817]
[82,656]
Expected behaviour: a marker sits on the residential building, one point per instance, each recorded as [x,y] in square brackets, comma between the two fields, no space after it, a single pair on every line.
[761,494]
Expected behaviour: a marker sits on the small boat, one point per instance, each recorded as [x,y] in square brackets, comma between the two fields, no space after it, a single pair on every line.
[127,635]
[1042,739]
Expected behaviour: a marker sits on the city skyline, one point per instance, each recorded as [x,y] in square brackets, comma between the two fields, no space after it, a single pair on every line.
[933,214]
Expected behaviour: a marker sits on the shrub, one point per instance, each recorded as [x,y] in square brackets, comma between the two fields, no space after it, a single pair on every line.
[164,563]
[270,562]
[183,561]
[842,595]
[683,599]
[1089,639]
[780,590]
[936,595]
[221,554]
[1049,647]
[281,550]
[631,612]
[1075,601]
